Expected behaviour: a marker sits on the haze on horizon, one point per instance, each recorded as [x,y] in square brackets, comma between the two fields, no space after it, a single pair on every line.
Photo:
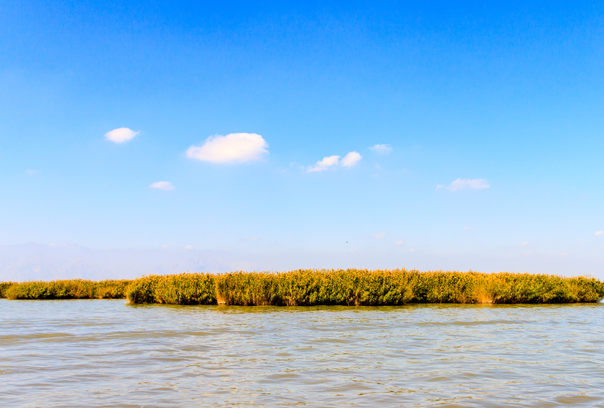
[171,136]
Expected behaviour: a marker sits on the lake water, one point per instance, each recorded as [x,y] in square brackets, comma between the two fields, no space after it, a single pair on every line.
[108,353]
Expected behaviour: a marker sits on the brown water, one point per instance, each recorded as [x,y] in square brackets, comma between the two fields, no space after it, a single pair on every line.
[107,353]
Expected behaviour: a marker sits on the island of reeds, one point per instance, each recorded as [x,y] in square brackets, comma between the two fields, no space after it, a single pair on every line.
[65,289]
[322,287]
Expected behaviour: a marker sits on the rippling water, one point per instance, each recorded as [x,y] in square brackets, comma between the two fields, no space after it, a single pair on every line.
[107,353]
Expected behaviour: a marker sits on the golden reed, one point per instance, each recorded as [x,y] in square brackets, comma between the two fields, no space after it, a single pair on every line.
[65,289]
[322,287]
[361,287]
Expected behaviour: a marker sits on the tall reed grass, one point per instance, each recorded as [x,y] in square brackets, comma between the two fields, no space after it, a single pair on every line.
[181,289]
[68,289]
[3,287]
[362,287]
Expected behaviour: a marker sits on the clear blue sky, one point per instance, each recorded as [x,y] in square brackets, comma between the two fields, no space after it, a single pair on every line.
[507,98]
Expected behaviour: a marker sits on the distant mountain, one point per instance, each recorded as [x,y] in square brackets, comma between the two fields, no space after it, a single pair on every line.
[66,261]
[32,261]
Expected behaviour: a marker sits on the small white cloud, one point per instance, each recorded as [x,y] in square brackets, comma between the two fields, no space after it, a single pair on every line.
[162,185]
[121,135]
[599,233]
[188,246]
[378,235]
[468,228]
[381,148]
[465,183]
[164,246]
[525,243]
[351,159]
[32,172]
[400,242]
[412,250]
[232,148]
[324,164]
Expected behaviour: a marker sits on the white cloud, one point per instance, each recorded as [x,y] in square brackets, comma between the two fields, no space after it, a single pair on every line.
[324,164]
[121,135]
[188,246]
[400,242]
[381,148]
[599,233]
[351,159]
[465,183]
[232,148]
[525,243]
[468,228]
[162,185]
[378,235]
[164,246]
[32,172]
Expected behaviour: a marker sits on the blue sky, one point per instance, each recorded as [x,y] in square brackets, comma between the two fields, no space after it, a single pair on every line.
[506,99]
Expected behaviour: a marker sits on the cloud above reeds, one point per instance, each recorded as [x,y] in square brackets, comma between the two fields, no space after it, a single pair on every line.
[162,185]
[350,160]
[460,184]
[381,148]
[599,233]
[324,164]
[121,135]
[231,148]
[378,235]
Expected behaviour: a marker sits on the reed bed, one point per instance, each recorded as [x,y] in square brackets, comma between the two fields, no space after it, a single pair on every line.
[362,287]
[3,287]
[67,289]
[181,289]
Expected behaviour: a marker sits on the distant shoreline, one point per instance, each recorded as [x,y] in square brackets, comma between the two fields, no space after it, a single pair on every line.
[322,287]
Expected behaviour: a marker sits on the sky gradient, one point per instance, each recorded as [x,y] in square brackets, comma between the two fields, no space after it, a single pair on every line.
[431,136]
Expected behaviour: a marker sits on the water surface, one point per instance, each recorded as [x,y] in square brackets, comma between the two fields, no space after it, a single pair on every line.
[107,353]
